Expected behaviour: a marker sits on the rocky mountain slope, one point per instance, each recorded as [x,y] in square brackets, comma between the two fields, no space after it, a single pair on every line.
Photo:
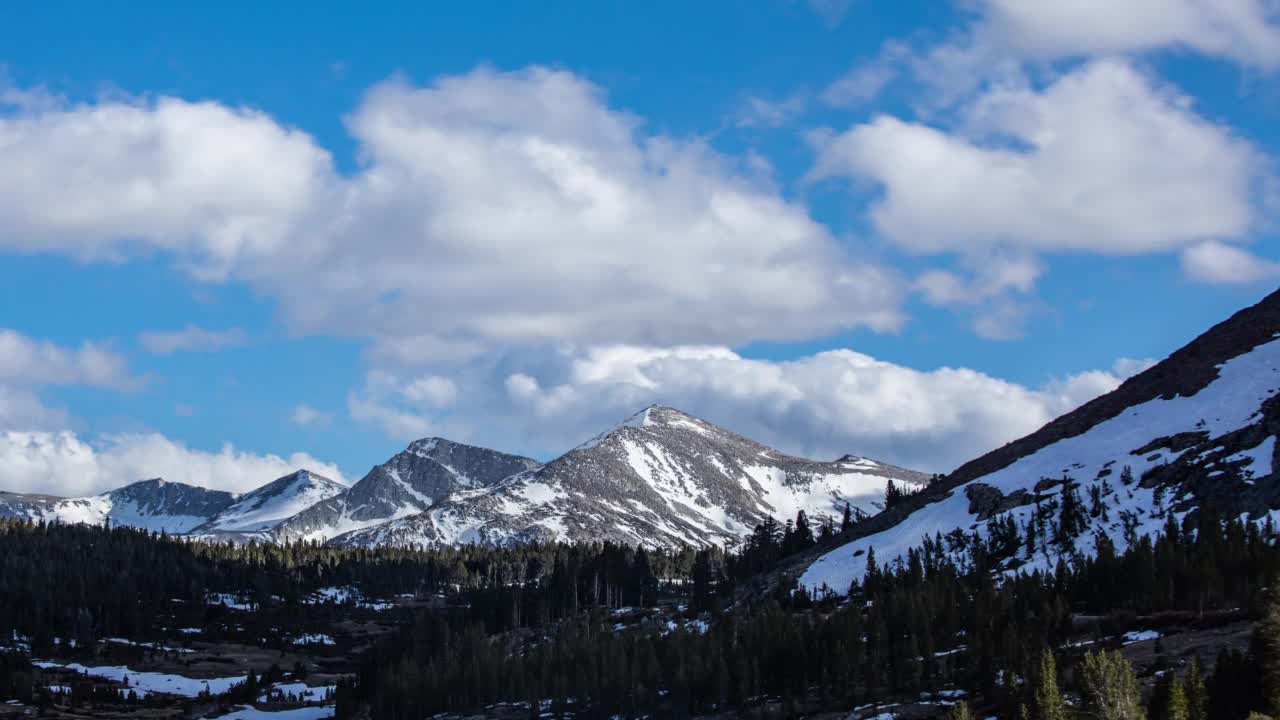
[662,478]
[426,473]
[268,506]
[1196,431]
[149,504]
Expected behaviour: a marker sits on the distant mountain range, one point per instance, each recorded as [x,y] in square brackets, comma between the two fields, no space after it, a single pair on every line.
[662,478]
[1196,431]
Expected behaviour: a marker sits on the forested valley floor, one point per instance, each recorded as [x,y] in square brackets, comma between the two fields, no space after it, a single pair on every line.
[119,623]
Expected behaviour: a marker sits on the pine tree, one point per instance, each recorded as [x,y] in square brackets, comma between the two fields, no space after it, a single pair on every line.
[1197,693]
[1266,642]
[892,494]
[1109,688]
[1046,701]
[961,711]
[1126,475]
[1177,708]
[846,520]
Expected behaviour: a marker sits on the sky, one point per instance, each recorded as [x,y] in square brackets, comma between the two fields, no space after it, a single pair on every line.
[245,238]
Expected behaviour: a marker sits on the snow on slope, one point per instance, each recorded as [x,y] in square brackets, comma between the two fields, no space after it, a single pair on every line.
[1216,444]
[150,682]
[154,505]
[660,478]
[273,503]
[426,473]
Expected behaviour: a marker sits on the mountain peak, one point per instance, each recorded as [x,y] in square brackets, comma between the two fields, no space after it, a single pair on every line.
[429,446]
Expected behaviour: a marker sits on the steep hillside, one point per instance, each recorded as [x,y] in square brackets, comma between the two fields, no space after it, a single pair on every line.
[426,473]
[272,504]
[1197,430]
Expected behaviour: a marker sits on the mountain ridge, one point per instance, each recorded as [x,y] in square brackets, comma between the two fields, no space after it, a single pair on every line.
[660,477]
[1196,429]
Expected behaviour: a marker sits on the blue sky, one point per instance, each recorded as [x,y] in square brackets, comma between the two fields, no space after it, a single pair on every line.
[241,238]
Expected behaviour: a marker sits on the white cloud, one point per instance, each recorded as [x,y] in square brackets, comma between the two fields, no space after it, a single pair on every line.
[104,180]
[1219,263]
[304,414]
[191,339]
[822,405]
[1103,160]
[61,463]
[487,209]
[995,292]
[381,402]
[29,362]
[1009,37]
[865,80]
[22,409]
[432,391]
[1242,30]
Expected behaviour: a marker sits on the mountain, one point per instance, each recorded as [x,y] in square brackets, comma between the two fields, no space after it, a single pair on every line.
[426,473]
[1196,432]
[661,478]
[268,506]
[149,504]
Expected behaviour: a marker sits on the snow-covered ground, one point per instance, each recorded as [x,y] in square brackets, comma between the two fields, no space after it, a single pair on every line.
[248,712]
[150,681]
[302,691]
[1228,403]
[312,639]
[274,503]
[231,600]
[345,594]
[153,646]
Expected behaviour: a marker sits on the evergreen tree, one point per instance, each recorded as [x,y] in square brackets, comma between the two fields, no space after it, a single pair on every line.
[1197,692]
[1177,707]
[1046,700]
[1266,643]
[1109,688]
[892,494]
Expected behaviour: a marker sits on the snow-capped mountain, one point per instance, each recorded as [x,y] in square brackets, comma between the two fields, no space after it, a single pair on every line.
[662,478]
[1197,430]
[149,504]
[268,506]
[426,473]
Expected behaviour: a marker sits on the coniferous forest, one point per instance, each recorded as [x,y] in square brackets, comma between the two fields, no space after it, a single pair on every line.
[552,627]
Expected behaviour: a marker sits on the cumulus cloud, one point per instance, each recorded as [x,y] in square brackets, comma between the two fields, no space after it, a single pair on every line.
[490,208]
[1242,30]
[1103,160]
[191,339]
[62,463]
[1219,263]
[822,405]
[1007,37]
[31,362]
[104,180]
